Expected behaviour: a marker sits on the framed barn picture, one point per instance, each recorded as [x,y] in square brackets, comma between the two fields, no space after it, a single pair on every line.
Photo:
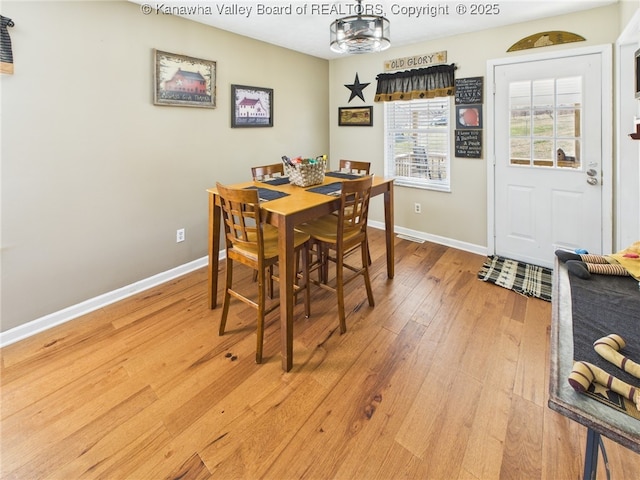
[355,116]
[183,81]
[251,107]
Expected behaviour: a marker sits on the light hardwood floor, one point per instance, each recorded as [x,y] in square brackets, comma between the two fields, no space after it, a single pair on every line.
[446,378]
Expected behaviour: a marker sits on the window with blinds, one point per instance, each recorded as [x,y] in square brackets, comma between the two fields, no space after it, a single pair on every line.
[417,137]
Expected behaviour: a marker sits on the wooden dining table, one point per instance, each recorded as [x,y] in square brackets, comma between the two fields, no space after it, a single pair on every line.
[298,206]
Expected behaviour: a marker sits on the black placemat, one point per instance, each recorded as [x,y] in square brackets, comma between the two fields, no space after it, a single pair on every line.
[265,194]
[333,189]
[345,175]
[602,305]
[276,181]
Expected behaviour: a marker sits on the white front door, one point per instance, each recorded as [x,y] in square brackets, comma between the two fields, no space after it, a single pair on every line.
[548,157]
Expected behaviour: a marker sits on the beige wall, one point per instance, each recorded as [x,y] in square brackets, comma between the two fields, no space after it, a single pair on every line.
[459,216]
[627,10]
[95,178]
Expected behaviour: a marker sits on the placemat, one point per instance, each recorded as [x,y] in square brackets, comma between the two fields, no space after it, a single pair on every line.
[265,194]
[333,189]
[602,305]
[345,175]
[276,181]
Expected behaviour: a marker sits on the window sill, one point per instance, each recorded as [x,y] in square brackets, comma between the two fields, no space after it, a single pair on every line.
[402,182]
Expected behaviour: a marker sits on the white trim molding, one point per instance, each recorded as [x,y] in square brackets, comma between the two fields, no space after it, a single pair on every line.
[61,316]
[447,242]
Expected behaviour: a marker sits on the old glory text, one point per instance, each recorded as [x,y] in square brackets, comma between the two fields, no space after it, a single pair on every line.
[416,61]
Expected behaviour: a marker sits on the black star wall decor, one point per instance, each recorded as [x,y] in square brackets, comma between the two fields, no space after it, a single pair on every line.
[356,89]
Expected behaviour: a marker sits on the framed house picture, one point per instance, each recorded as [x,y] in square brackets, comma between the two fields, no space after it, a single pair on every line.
[251,107]
[180,80]
[355,116]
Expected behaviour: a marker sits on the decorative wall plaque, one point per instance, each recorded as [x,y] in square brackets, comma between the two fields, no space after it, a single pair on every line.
[545,39]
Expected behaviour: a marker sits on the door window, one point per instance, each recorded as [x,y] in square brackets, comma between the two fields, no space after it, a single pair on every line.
[545,122]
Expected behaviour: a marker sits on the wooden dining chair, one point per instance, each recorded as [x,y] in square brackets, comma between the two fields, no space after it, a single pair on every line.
[252,242]
[342,233]
[353,166]
[259,174]
[266,172]
[357,167]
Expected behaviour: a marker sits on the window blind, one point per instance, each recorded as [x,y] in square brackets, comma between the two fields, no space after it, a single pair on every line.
[417,134]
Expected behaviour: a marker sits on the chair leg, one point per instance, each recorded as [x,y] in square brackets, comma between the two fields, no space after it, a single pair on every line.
[324,262]
[297,271]
[307,284]
[317,249]
[227,296]
[270,284]
[340,290]
[365,266]
[261,304]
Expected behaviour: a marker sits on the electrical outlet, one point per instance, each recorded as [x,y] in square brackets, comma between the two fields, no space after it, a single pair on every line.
[417,208]
[180,235]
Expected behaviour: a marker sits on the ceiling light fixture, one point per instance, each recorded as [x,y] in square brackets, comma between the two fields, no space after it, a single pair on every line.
[360,33]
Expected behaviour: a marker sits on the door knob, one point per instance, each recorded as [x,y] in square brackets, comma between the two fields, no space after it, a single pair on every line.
[592,181]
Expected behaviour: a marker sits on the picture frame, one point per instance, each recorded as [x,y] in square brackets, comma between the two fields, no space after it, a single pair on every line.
[251,107]
[468,116]
[355,116]
[180,80]
[469,90]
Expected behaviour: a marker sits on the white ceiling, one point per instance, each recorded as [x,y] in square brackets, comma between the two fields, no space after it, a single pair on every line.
[309,33]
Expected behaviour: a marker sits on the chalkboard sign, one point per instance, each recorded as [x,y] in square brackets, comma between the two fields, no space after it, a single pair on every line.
[469,143]
[469,90]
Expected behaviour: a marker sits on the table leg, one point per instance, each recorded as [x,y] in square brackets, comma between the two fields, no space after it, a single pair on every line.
[388,228]
[214,250]
[594,445]
[591,455]
[287,278]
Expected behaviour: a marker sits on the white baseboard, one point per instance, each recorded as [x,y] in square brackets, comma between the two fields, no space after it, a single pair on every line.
[449,242]
[56,318]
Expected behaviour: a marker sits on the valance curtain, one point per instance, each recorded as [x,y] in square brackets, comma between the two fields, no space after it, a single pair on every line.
[430,82]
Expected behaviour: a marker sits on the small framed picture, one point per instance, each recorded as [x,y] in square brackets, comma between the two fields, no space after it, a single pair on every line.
[180,80]
[355,116]
[469,116]
[251,107]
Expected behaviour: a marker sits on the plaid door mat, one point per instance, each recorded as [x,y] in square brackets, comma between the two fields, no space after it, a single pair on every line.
[523,278]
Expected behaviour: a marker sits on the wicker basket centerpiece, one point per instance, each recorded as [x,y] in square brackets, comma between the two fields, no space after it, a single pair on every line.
[306,173]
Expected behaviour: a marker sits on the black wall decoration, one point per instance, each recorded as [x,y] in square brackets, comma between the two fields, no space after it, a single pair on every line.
[356,89]
[469,99]
[469,143]
[469,90]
